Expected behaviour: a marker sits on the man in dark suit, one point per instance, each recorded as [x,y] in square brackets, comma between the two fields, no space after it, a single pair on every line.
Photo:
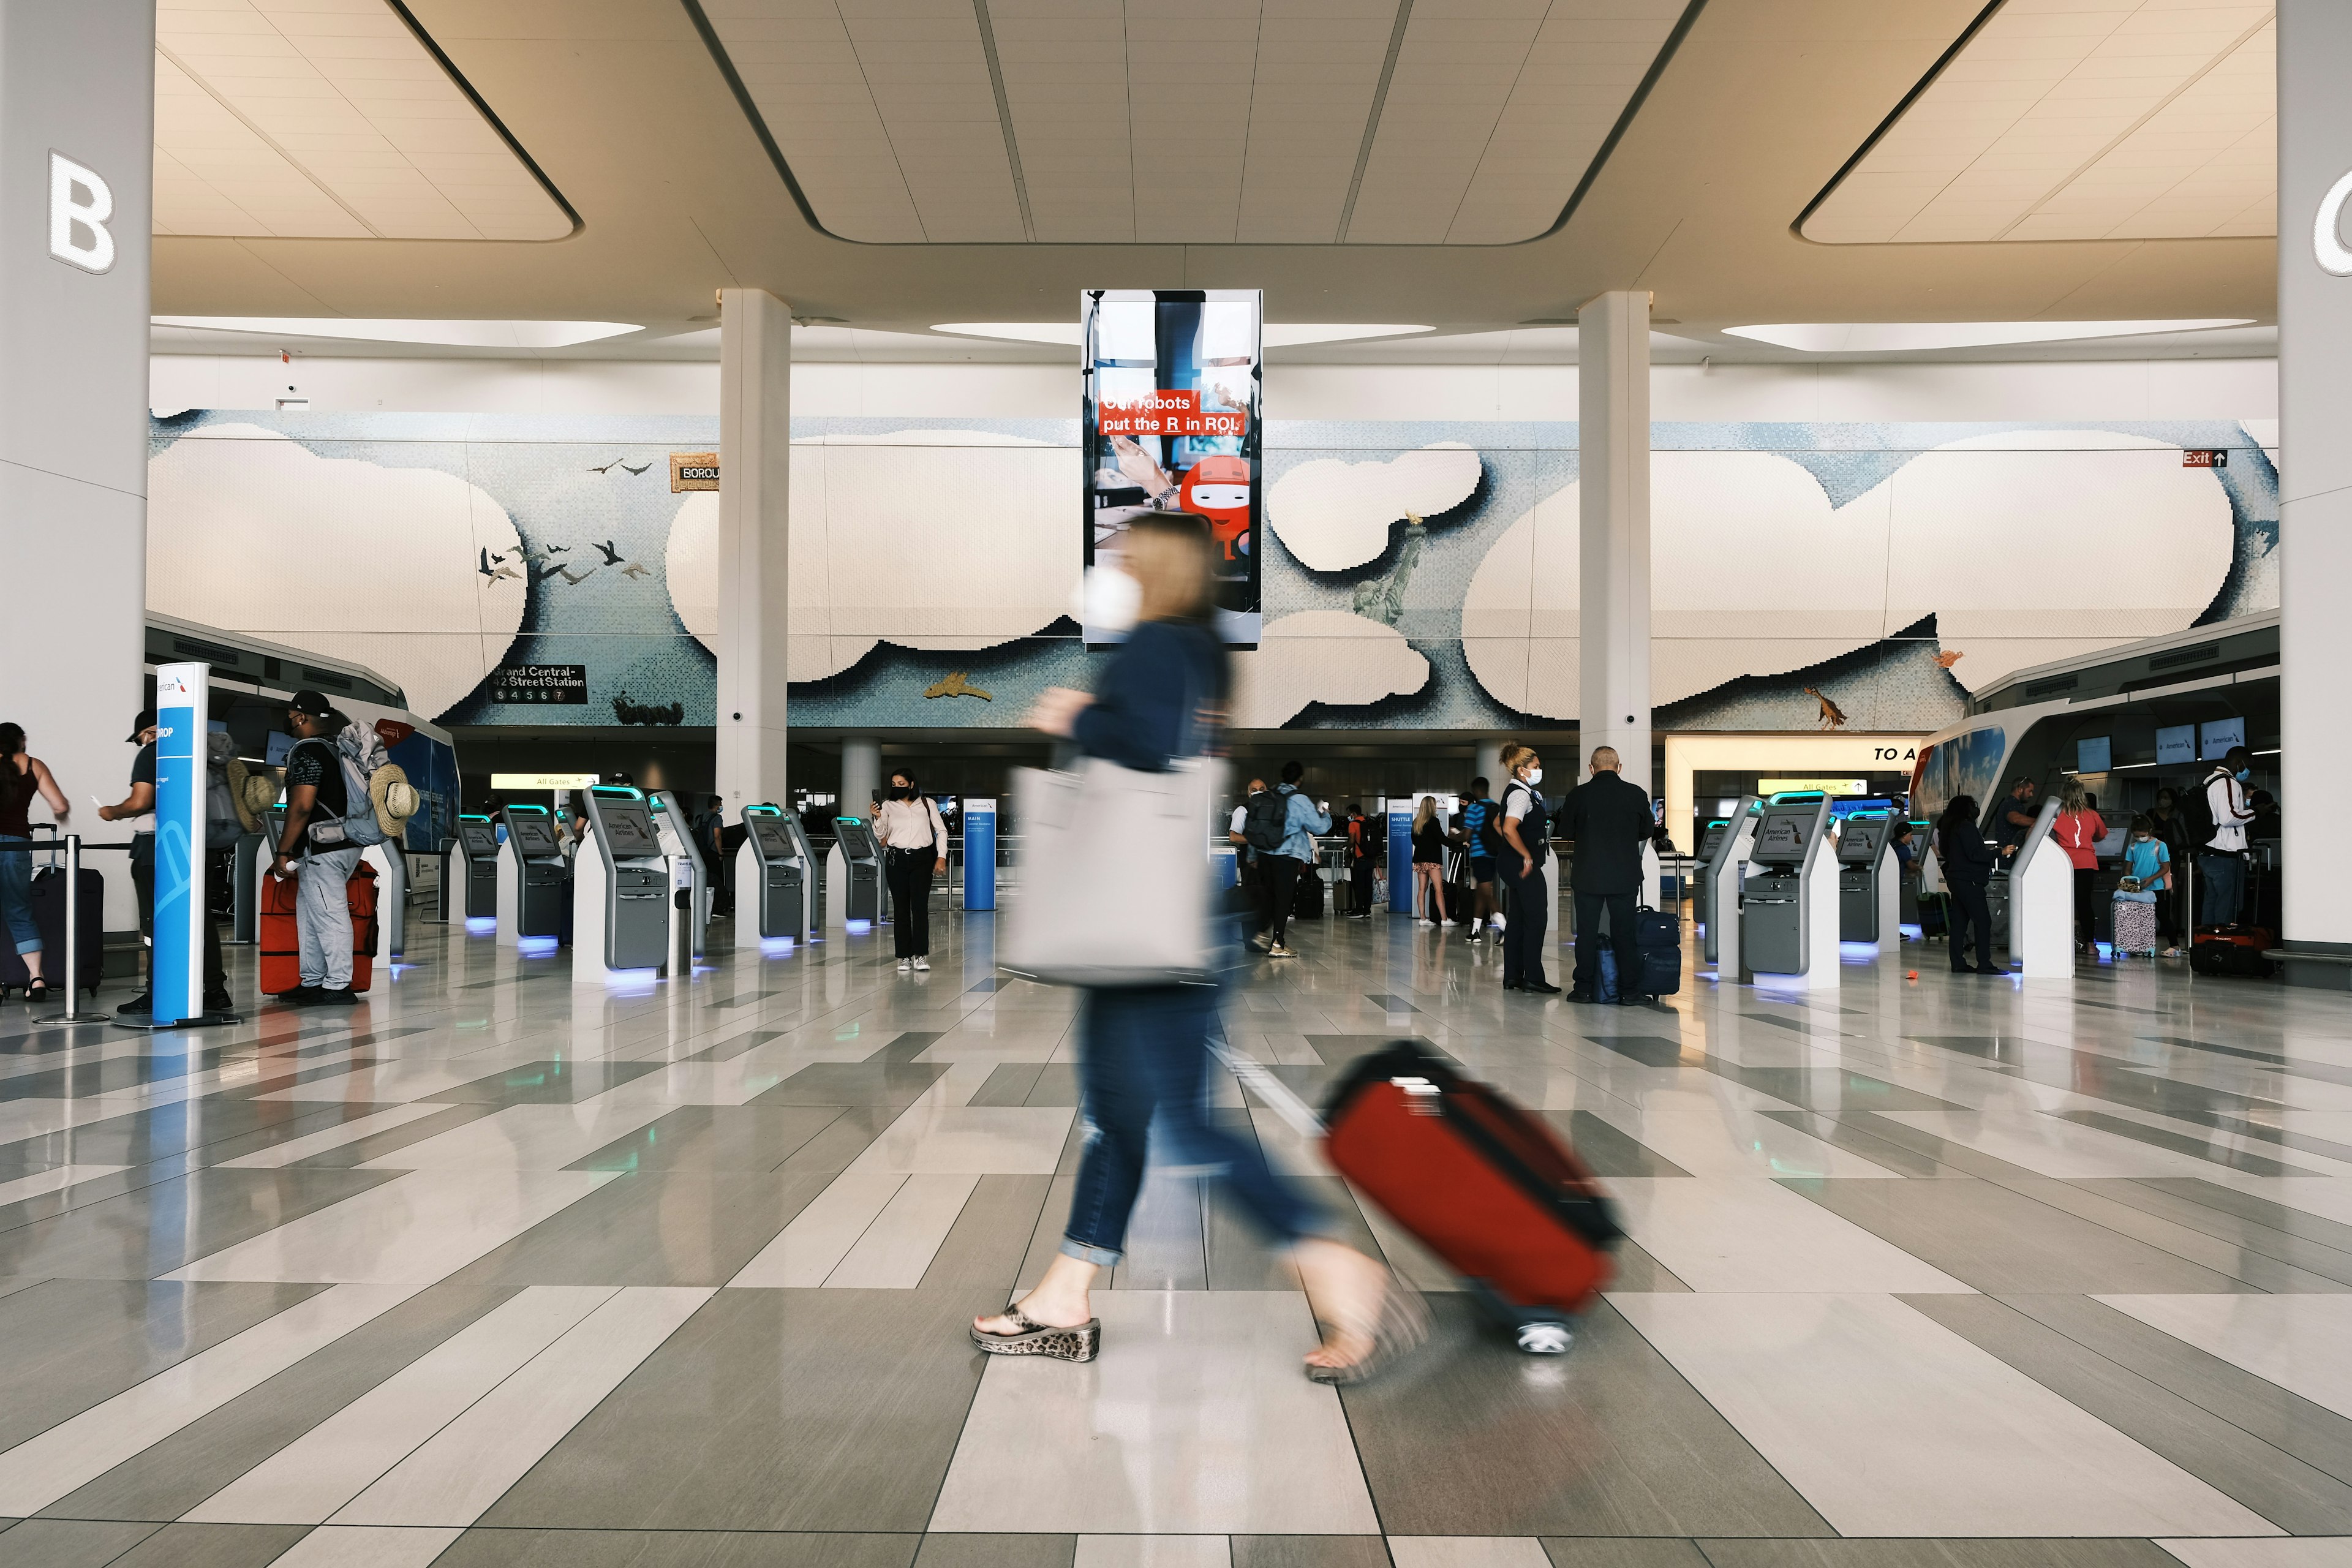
[1609,820]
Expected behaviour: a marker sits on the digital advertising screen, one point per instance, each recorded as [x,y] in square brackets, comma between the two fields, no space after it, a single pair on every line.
[1172,423]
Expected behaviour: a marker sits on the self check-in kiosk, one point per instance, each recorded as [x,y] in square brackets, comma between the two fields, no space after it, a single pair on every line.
[1726,861]
[1789,915]
[861,855]
[1710,843]
[688,874]
[470,871]
[250,878]
[622,893]
[1870,883]
[776,867]
[534,878]
[2042,902]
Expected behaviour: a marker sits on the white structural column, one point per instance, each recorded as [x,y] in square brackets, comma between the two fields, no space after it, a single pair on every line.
[755,454]
[2314,304]
[861,773]
[1613,350]
[1489,766]
[77,165]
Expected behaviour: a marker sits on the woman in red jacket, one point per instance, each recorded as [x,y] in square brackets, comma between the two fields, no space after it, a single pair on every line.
[2078,831]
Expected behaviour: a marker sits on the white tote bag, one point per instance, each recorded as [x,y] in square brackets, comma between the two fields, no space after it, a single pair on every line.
[1114,888]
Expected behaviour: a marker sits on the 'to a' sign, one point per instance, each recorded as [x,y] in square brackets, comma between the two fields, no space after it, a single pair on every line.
[80,205]
[2327,247]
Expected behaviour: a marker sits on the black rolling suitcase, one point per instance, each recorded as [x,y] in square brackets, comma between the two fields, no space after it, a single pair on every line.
[1658,949]
[1307,903]
[49,917]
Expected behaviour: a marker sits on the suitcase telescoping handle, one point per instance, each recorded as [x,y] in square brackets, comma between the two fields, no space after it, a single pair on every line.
[1255,1077]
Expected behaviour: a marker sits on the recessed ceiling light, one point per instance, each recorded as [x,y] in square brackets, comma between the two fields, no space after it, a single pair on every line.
[449,334]
[1278,334]
[1896,337]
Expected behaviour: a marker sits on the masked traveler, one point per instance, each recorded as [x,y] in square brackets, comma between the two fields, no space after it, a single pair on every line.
[1967,862]
[2222,857]
[22,777]
[1526,830]
[914,850]
[138,808]
[2079,828]
[1429,862]
[1143,1051]
[1247,874]
[2147,870]
[1363,848]
[316,797]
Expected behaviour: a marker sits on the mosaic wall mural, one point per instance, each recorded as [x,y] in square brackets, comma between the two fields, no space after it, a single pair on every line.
[1421,576]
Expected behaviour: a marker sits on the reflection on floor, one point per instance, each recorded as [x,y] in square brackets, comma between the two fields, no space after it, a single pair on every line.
[1949,1272]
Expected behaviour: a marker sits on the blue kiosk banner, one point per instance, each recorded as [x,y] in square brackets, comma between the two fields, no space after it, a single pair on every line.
[980,854]
[182,707]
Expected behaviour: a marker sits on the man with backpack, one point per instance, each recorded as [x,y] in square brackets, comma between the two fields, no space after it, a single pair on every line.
[1480,834]
[1281,827]
[321,846]
[2222,852]
[1245,864]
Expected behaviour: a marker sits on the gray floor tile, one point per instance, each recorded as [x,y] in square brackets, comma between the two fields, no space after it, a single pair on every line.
[702,1436]
[549,1082]
[673,1549]
[628,1231]
[1003,1552]
[1595,1551]
[1167,1246]
[1461,1439]
[391,1140]
[1998,1241]
[889,1085]
[73,1343]
[2073,1551]
[1608,1151]
[1308,1552]
[1637,1271]
[171,1223]
[845,1138]
[714,1138]
[68,1544]
[986,1246]
[166,1480]
[2267,1260]
[157,1132]
[2250,1206]
[2296,1428]
[213,1546]
[1009,1084]
[1841,1133]
[2290,1494]
[2182,1143]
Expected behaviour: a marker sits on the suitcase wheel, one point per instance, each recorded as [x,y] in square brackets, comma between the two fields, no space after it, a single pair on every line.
[1546,1337]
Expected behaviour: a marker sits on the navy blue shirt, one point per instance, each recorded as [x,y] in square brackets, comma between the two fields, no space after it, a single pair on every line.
[1139,718]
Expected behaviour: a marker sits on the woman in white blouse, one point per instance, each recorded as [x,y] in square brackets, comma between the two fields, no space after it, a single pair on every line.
[914,849]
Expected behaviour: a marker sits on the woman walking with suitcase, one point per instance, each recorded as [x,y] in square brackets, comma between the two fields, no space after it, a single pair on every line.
[23,776]
[1144,1050]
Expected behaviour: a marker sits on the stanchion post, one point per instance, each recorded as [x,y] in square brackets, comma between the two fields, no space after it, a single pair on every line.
[73,1012]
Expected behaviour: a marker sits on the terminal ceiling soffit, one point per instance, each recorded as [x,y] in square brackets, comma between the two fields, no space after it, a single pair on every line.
[1191,122]
[329,119]
[2077,119]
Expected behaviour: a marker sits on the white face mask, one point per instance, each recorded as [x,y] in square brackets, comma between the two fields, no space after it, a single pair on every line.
[1109,601]
[1535,776]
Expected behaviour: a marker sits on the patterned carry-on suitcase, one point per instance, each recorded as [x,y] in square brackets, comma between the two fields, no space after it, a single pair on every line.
[1487,1187]
[2134,928]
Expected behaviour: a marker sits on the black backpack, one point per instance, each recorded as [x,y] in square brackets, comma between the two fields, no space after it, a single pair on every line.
[1268,822]
[2194,807]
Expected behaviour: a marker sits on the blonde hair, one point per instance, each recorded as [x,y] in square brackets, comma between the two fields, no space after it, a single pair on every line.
[1167,554]
[1513,755]
[1428,809]
[2070,796]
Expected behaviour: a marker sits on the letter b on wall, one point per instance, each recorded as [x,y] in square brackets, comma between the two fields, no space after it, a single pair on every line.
[80,203]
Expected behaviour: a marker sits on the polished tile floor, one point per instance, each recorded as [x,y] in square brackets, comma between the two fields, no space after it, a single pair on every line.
[1945,1272]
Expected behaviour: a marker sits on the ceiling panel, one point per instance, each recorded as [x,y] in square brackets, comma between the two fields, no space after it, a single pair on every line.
[2080,120]
[326,119]
[1200,121]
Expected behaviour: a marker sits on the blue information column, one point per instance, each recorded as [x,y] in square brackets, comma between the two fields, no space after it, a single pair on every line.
[980,854]
[1401,859]
[180,709]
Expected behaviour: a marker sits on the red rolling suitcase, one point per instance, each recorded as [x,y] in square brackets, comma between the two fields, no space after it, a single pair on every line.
[279,947]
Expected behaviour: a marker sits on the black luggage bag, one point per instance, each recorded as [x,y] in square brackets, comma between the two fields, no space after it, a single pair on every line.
[49,918]
[1658,946]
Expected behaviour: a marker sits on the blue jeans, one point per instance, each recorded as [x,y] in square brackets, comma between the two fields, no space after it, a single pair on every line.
[1145,1050]
[2225,888]
[16,897]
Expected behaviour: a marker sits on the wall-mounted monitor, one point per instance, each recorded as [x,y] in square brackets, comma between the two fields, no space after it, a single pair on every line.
[2095,754]
[2215,737]
[2175,743]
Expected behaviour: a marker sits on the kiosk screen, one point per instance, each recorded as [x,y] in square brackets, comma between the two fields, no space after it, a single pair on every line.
[856,838]
[1862,839]
[628,830]
[1712,840]
[532,836]
[482,840]
[775,839]
[1781,833]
